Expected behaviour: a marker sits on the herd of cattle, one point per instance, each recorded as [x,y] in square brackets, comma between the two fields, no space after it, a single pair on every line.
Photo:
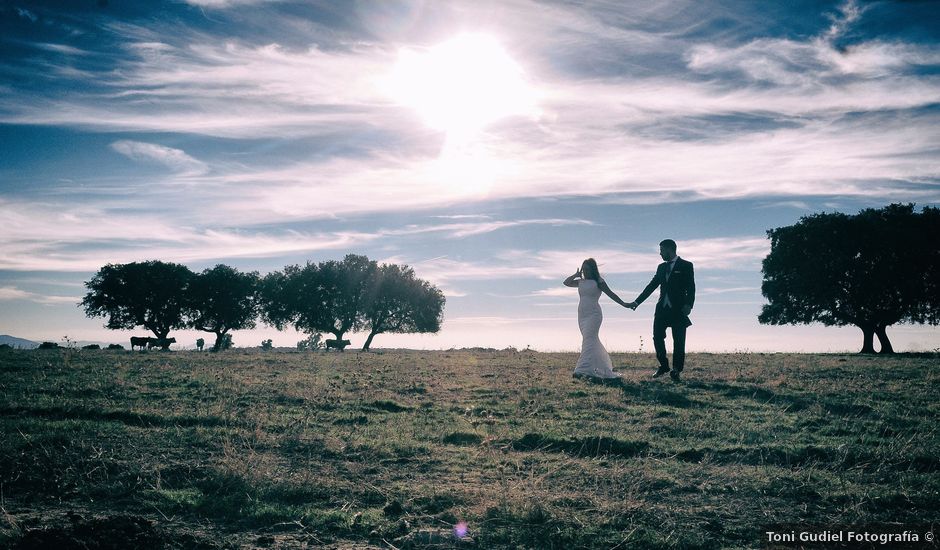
[146,342]
[141,341]
[164,343]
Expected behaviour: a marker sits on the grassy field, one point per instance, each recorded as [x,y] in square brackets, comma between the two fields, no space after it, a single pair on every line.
[393,449]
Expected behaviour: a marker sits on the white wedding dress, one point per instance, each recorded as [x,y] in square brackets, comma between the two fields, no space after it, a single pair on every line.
[594,360]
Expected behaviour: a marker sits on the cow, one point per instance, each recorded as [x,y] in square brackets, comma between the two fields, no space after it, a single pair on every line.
[163,343]
[140,341]
[337,344]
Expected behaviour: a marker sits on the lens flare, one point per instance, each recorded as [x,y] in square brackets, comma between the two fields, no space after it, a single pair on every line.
[460,530]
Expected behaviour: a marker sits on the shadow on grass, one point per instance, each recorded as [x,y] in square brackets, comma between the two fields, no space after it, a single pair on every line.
[655,392]
[385,406]
[129,418]
[463,439]
[115,532]
[537,525]
[582,447]
[833,458]
[790,402]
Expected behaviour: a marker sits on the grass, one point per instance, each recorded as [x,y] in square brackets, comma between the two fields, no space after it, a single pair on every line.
[111,449]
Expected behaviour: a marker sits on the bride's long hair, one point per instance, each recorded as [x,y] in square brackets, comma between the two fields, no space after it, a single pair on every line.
[589,270]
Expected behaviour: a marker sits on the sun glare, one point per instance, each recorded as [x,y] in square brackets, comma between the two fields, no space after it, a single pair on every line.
[462,85]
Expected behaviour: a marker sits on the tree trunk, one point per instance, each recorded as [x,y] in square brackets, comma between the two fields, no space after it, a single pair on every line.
[219,336]
[882,332]
[365,347]
[868,343]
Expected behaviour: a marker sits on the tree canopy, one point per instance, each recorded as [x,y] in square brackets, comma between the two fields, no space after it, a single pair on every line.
[346,286]
[399,302]
[871,270]
[149,294]
[221,299]
[324,297]
[351,295]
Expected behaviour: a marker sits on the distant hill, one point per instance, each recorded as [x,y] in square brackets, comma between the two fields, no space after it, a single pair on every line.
[19,343]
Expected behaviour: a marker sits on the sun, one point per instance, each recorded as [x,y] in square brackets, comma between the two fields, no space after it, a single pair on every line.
[462,85]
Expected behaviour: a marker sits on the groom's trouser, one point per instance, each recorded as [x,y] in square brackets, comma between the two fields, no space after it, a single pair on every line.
[663,318]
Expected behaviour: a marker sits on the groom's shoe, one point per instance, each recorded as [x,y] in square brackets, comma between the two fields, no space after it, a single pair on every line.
[661,371]
[675,376]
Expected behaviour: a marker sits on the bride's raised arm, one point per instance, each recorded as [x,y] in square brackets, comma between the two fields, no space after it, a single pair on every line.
[572,280]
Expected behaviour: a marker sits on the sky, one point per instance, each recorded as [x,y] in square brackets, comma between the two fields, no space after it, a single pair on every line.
[490,145]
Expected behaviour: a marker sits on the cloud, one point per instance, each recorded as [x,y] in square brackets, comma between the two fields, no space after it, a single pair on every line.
[9,293]
[725,253]
[488,321]
[219,4]
[849,12]
[708,291]
[851,120]
[54,237]
[554,292]
[460,230]
[813,62]
[791,63]
[174,159]
[61,237]
[26,14]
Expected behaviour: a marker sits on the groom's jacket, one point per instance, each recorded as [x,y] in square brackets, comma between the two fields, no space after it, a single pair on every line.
[680,286]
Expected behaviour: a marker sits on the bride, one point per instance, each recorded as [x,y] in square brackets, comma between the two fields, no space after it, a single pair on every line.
[594,361]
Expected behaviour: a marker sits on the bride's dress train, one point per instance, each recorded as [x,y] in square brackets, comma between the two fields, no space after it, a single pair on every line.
[594,360]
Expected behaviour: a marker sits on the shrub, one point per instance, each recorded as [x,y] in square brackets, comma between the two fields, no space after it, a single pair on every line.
[311,343]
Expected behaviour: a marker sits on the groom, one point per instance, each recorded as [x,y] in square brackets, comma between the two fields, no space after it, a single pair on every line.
[676,280]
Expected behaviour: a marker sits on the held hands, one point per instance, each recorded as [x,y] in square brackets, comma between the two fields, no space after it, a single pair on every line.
[631,305]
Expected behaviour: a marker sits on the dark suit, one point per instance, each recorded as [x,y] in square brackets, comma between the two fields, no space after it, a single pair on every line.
[679,287]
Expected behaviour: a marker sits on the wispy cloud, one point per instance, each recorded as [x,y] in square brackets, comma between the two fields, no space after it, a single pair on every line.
[59,237]
[174,159]
[817,61]
[743,253]
[708,291]
[26,14]
[53,238]
[227,3]
[10,293]
[849,13]
[459,230]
